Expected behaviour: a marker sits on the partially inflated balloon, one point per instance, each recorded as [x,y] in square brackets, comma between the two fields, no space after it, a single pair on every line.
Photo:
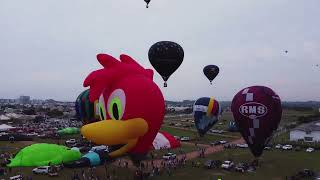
[206,113]
[211,71]
[85,110]
[44,155]
[166,57]
[257,111]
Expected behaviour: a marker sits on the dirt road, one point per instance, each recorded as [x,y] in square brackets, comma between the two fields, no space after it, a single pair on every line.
[189,156]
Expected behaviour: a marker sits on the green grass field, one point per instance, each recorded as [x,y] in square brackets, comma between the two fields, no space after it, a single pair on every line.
[274,165]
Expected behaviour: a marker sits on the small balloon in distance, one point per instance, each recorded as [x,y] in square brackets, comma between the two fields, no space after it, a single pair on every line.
[211,72]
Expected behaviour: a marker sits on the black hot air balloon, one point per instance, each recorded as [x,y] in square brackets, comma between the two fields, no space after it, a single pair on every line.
[211,71]
[147,1]
[166,57]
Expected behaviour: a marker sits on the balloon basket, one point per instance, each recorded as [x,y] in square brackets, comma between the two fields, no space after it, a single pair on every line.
[165,84]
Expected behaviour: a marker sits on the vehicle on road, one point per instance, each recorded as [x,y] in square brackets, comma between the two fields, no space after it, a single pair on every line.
[71,141]
[169,156]
[287,147]
[242,145]
[278,146]
[185,138]
[99,148]
[228,165]
[267,148]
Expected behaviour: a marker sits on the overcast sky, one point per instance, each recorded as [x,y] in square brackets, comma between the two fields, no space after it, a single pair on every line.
[48,47]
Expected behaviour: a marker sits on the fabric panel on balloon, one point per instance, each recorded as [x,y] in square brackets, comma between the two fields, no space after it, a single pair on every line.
[206,111]
[257,112]
[164,140]
[93,157]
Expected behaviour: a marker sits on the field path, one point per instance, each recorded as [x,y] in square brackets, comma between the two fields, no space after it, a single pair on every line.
[209,133]
[189,156]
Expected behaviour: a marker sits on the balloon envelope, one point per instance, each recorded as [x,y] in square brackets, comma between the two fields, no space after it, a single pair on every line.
[86,111]
[166,57]
[211,71]
[257,111]
[206,113]
[69,130]
[42,154]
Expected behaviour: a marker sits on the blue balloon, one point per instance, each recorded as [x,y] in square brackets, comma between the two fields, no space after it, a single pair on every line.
[206,112]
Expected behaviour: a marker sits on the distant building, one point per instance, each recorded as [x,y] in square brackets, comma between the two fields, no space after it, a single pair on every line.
[309,132]
[24,100]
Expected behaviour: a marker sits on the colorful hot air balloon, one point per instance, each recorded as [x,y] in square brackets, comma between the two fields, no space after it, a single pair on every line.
[206,113]
[130,104]
[85,110]
[257,111]
[211,72]
[166,57]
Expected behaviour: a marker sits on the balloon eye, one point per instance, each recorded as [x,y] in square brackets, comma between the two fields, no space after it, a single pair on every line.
[102,109]
[116,104]
[115,108]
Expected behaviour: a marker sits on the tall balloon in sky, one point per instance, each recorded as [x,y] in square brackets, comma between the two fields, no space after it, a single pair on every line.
[257,111]
[166,57]
[147,1]
[206,112]
[211,72]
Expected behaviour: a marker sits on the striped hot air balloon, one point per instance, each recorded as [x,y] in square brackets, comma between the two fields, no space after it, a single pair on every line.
[206,113]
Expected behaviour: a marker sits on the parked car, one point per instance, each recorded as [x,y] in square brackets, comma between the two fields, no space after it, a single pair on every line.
[17,177]
[267,148]
[215,143]
[71,141]
[169,156]
[209,164]
[185,138]
[287,147]
[251,169]
[306,173]
[241,167]
[242,145]
[32,134]
[217,131]
[41,170]
[3,133]
[228,146]
[278,146]
[228,165]
[310,149]
[99,148]
[212,164]
[223,142]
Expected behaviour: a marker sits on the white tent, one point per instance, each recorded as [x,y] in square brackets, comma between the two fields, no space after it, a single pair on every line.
[4,118]
[4,127]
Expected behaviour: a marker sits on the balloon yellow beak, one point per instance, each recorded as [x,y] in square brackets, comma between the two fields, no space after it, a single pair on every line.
[115,132]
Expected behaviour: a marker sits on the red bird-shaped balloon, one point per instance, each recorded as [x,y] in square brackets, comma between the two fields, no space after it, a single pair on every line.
[130,104]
